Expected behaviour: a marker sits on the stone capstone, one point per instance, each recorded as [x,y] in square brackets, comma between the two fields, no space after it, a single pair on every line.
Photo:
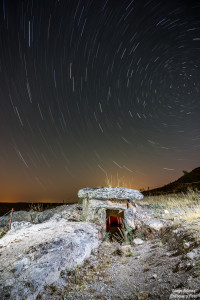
[106,193]
[33,256]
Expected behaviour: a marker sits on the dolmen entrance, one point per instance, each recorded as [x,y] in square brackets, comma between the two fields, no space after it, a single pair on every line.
[109,207]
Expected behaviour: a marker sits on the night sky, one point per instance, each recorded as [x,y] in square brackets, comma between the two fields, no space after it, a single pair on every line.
[93,90]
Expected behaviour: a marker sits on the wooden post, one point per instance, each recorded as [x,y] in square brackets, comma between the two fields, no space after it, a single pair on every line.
[11,218]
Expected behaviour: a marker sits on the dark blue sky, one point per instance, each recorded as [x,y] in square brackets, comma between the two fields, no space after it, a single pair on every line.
[96,90]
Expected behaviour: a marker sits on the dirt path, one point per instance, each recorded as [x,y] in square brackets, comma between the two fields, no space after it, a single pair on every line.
[150,272]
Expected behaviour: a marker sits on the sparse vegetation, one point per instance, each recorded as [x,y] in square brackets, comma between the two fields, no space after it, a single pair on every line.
[160,244]
[183,206]
[83,218]
[169,201]
[28,284]
[106,237]
[185,172]
[89,273]
[77,276]
[3,233]
[40,207]
[133,253]
[115,181]
[80,200]
[125,234]
[53,288]
[39,297]
[141,296]
[36,207]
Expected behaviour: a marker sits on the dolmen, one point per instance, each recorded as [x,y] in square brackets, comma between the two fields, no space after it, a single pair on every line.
[109,206]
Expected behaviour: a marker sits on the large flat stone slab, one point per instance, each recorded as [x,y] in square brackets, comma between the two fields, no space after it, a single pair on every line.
[106,193]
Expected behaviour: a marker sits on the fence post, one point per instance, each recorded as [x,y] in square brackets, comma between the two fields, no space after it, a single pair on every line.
[11,218]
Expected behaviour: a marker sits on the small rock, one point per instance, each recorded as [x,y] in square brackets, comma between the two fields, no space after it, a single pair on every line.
[186,245]
[154,276]
[123,250]
[192,254]
[126,249]
[138,241]
[154,224]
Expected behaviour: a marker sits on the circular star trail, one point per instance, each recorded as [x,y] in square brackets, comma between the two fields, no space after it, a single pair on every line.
[97,92]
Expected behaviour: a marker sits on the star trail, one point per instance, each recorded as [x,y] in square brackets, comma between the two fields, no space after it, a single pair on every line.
[95,90]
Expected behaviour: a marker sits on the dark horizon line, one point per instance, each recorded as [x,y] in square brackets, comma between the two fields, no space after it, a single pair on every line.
[19,202]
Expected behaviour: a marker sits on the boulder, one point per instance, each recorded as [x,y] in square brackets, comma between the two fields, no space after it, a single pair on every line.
[18,216]
[71,212]
[107,193]
[33,256]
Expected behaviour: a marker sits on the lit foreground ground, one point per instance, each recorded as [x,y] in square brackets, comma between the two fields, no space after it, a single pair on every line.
[159,260]
[165,266]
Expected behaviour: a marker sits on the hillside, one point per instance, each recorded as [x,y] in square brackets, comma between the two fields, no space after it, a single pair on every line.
[188,180]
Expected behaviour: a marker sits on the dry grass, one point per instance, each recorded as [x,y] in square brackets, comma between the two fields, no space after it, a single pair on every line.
[186,206]
[191,213]
[3,233]
[115,181]
[173,200]
[36,207]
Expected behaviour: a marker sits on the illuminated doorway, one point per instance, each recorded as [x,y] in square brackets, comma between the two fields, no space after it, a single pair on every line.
[114,222]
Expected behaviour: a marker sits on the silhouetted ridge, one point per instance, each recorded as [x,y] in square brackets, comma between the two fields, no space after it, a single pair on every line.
[188,180]
[190,177]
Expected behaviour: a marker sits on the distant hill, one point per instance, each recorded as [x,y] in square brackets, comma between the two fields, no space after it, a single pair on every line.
[188,180]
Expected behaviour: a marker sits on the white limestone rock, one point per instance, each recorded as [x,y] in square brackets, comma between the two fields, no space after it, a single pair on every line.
[34,255]
[71,212]
[138,241]
[154,224]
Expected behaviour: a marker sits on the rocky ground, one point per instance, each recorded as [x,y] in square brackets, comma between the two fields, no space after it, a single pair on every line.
[149,271]
[162,262]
